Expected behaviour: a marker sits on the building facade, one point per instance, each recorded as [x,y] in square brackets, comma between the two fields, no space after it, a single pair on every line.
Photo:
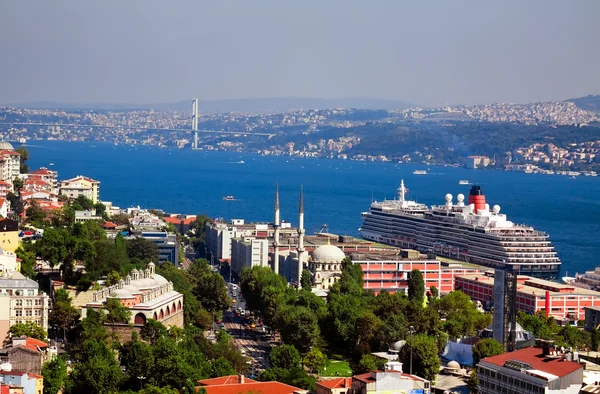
[531,370]
[391,273]
[168,248]
[248,252]
[21,301]
[81,186]
[10,165]
[391,380]
[9,234]
[559,300]
[31,383]
[147,295]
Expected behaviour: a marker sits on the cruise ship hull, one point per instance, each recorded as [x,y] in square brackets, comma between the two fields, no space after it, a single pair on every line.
[448,232]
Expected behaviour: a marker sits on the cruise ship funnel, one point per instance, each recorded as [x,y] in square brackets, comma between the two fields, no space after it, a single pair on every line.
[477,198]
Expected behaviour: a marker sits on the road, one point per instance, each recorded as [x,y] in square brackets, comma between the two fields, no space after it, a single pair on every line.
[251,342]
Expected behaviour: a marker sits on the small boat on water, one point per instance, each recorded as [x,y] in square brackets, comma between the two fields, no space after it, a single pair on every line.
[463,182]
[51,164]
[241,162]
[228,198]
[420,172]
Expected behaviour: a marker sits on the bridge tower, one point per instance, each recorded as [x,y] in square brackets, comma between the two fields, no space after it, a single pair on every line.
[195,123]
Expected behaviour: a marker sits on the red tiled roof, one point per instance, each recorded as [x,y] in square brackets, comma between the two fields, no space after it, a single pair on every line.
[534,357]
[13,373]
[337,383]
[176,220]
[2,183]
[2,201]
[35,376]
[107,224]
[253,387]
[10,152]
[42,171]
[231,379]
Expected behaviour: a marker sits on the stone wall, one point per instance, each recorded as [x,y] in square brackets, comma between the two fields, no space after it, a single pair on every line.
[176,319]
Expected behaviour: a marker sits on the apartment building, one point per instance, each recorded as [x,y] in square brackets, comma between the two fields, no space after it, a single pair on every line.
[559,300]
[81,186]
[248,252]
[532,370]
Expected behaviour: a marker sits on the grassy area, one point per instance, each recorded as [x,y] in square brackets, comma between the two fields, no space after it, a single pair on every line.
[336,368]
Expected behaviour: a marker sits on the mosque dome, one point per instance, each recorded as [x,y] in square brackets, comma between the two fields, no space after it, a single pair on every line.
[521,334]
[396,346]
[328,254]
[4,145]
[453,365]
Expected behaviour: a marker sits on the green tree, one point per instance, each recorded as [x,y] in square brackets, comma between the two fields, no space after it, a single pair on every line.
[28,329]
[285,357]
[299,327]
[117,313]
[221,367]
[314,360]
[210,288]
[153,330]
[35,213]
[368,362]
[24,156]
[425,359]
[473,382]
[169,366]
[96,370]
[416,287]
[113,278]
[351,280]
[16,203]
[305,280]
[26,252]
[137,359]
[461,315]
[55,374]
[594,339]
[142,249]
[63,313]
[487,347]
[150,389]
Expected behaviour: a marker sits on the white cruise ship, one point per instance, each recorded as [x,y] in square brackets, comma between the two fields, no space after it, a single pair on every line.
[470,232]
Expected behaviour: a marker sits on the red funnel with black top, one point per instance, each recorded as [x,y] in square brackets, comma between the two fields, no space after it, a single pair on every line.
[477,198]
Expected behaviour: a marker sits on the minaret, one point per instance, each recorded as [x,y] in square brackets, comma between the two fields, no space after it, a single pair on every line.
[300,237]
[276,225]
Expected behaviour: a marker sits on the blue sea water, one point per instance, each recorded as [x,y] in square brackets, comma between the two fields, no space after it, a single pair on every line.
[335,192]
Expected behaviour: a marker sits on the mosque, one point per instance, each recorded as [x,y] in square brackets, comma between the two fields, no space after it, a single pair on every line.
[324,262]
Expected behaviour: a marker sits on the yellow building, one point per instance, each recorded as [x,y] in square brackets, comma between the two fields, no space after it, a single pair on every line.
[81,186]
[9,235]
[39,383]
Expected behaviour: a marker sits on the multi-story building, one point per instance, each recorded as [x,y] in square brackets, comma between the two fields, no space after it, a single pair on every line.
[390,272]
[562,301]
[146,294]
[81,186]
[10,163]
[477,161]
[392,380]
[27,354]
[5,188]
[31,383]
[21,301]
[248,252]
[4,207]
[531,370]
[84,216]
[592,318]
[45,175]
[143,220]
[168,248]
[9,234]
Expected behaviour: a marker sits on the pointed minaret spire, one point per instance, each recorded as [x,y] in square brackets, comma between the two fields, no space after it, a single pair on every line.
[276,226]
[300,236]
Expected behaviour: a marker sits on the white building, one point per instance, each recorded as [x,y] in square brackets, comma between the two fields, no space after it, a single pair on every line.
[531,370]
[81,186]
[10,163]
[248,252]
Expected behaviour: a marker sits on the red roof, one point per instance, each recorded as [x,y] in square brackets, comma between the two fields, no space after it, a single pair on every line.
[13,373]
[34,344]
[337,383]
[176,220]
[42,171]
[107,224]
[253,387]
[534,357]
[232,379]
[2,183]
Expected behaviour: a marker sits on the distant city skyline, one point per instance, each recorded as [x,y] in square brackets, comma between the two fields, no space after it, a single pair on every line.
[423,53]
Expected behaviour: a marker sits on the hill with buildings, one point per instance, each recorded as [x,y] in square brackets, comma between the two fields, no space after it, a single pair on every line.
[589,102]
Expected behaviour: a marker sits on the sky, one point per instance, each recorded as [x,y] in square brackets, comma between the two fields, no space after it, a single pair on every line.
[424,52]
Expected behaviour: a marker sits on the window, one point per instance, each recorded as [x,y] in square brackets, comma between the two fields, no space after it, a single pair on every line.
[19,303]
[28,312]
[30,292]
[18,312]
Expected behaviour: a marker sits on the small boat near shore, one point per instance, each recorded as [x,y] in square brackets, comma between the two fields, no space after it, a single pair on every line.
[463,182]
[228,198]
[420,172]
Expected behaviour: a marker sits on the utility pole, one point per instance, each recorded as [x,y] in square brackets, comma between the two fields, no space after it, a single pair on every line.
[411,331]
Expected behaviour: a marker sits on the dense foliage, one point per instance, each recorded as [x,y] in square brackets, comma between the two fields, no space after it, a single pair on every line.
[354,322]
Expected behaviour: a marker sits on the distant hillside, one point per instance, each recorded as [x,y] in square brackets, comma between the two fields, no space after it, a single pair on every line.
[590,102]
[272,104]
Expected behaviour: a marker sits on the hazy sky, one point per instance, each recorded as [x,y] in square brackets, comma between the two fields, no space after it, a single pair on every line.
[424,52]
